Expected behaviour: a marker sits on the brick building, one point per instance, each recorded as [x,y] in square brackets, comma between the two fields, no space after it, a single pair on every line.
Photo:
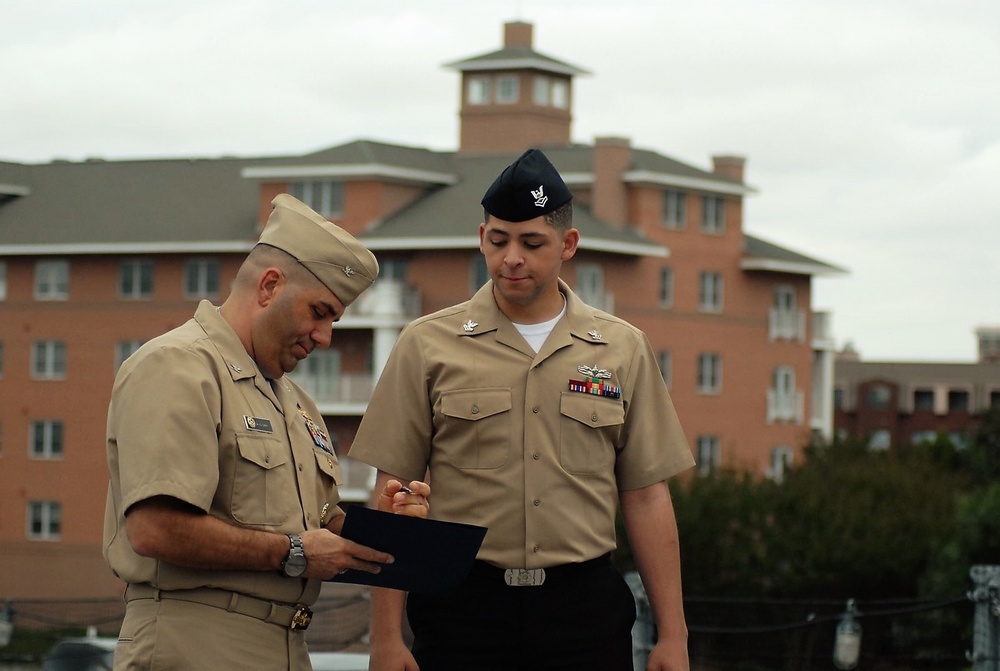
[97,257]
[893,404]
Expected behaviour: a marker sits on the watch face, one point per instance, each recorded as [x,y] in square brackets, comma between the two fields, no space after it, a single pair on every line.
[295,565]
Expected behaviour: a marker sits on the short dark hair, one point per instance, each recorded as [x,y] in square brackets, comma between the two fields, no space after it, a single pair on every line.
[561,217]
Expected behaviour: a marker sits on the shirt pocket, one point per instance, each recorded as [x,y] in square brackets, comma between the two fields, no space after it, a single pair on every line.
[476,427]
[263,489]
[589,429]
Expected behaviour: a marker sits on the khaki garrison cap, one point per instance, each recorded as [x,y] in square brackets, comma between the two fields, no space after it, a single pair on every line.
[330,253]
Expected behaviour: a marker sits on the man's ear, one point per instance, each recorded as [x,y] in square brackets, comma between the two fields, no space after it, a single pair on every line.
[571,238]
[268,284]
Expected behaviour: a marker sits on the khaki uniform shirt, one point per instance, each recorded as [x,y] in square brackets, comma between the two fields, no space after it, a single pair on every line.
[509,445]
[193,418]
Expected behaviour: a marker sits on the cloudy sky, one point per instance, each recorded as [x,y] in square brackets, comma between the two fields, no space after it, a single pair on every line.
[871,127]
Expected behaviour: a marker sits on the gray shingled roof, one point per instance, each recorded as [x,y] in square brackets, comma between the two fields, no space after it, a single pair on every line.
[516,57]
[156,204]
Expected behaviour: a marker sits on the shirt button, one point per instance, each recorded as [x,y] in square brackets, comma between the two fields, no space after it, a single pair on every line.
[300,468]
[535,549]
[537,502]
[593,418]
[536,456]
[267,458]
[329,462]
[535,409]
[475,410]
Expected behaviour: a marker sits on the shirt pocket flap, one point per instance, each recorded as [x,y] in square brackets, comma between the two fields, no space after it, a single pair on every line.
[266,452]
[592,411]
[327,463]
[475,404]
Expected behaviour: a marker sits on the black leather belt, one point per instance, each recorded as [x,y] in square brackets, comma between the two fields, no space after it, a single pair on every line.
[295,617]
[522,577]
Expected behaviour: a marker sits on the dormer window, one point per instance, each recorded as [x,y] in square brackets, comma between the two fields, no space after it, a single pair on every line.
[324,196]
[478,91]
[508,90]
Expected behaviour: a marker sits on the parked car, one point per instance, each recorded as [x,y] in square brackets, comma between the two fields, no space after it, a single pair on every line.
[97,653]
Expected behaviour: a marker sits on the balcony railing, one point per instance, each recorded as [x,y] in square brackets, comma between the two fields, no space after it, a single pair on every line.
[784,407]
[387,299]
[340,389]
[787,325]
[602,300]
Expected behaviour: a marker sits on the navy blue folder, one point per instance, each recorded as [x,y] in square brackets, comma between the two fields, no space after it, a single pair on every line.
[431,556]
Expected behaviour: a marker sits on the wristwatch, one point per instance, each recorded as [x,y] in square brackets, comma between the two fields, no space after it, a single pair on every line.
[295,563]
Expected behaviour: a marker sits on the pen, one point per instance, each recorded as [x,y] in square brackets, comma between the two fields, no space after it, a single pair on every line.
[405,490]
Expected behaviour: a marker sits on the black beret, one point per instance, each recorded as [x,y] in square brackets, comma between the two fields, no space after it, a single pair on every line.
[527,188]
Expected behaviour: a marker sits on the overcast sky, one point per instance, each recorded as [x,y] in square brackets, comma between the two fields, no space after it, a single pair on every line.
[871,128]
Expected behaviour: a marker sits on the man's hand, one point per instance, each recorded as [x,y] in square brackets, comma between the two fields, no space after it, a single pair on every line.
[329,554]
[405,500]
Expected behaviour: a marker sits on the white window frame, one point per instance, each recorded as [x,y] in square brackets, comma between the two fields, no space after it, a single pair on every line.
[709,373]
[711,291]
[47,517]
[124,349]
[325,196]
[507,89]
[785,403]
[541,90]
[666,292]
[709,454]
[477,90]
[135,279]
[479,274]
[674,209]
[665,360]
[46,439]
[713,215]
[48,360]
[203,268]
[51,280]
[560,94]
[590,286]
[321,376]
[782,457]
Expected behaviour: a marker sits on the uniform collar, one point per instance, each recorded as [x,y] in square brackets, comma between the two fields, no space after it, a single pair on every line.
[483,315]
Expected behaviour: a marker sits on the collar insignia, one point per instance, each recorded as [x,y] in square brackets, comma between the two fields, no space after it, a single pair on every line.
[595,335]
[469,326]
[594,371]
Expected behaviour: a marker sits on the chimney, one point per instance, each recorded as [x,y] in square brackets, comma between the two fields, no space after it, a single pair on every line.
[612,156]
[517,34]
[730,167]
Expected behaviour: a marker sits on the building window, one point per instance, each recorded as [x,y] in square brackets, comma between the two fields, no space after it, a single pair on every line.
[507,89]
[958,400]
[709,374]
[781,460]
[52,280]
[664,360]
[135,278]
[838,398]
[710,292]
[995,399]
[674,209]
[666,287]
[124,349]
[713,219]
[787,322]
[560,94]
[478,274]
[880,440]
[201,278]
[3,280]
[48,360]
[542,86]
[477,91]
[46,440]
[590,286]
[325,196]
[44,520]
[879,397]
[784,401]
[321,376]
[709,454]
[923,400]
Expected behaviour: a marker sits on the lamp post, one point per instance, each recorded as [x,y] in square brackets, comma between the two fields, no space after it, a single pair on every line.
[847,645]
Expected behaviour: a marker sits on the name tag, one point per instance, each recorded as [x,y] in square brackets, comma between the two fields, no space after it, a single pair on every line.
[258,424]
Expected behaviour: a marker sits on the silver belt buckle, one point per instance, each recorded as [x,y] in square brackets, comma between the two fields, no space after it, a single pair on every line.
[523,577]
